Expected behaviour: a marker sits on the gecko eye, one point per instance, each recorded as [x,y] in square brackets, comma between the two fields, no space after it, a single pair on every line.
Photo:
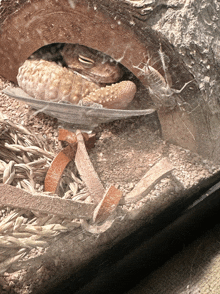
[87,62]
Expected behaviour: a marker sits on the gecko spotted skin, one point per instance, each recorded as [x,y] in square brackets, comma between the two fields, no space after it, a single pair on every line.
[85,79]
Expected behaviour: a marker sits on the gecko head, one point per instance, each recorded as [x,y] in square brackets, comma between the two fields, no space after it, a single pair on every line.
[98,67]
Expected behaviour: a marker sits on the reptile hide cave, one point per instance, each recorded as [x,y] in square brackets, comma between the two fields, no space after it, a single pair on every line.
[107,26]
[177,197]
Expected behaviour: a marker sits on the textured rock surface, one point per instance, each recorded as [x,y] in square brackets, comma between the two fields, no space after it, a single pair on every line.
[192,27]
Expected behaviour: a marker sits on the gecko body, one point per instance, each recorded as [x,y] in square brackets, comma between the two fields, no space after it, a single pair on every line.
[88,78]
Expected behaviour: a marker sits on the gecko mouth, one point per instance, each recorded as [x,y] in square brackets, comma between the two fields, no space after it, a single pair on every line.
[102,80]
